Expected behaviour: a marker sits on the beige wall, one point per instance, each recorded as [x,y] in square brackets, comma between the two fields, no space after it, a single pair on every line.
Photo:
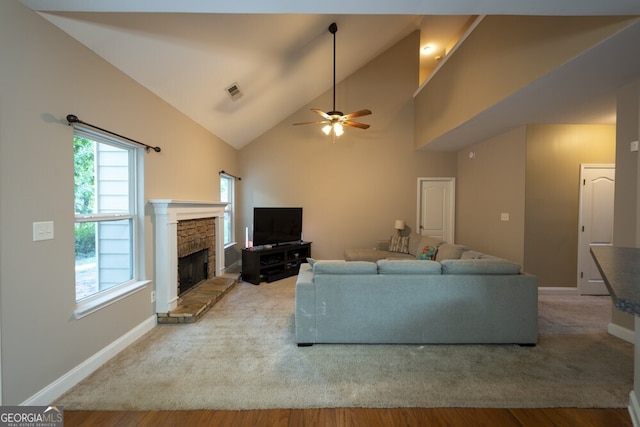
[626,228]
[489,184]
[531,173]
[501,56]
[554,155]
[45,75]
[353,190]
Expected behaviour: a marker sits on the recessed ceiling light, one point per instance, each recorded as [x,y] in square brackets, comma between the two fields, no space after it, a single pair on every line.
[427,49]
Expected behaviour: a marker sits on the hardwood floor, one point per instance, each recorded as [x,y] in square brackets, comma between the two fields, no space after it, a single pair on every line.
[357,417]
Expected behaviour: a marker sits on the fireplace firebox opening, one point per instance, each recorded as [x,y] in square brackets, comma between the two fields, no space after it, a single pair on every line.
[192,269]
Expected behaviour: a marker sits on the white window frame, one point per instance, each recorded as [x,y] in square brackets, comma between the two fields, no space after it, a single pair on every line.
[229,209]
[101,299]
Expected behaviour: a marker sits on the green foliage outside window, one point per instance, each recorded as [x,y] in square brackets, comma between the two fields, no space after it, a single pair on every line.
[84,187]
[85,176]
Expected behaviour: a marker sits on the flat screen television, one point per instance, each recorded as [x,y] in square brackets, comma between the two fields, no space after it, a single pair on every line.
[275,226]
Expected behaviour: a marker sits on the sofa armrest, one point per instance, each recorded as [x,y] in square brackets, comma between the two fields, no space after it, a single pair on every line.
[305,305]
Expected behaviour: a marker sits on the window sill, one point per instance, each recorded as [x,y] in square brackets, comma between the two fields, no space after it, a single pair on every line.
[107,298]
[230,245]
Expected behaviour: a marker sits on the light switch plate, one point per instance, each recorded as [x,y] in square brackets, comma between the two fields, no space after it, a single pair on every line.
[634,145]
[42,231]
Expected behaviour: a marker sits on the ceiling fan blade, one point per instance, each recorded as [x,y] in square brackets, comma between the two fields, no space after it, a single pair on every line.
[313,123]
[355,124]
[357,114]
[322,113]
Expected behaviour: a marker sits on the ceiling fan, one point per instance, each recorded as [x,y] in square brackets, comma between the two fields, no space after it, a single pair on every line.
[334,120]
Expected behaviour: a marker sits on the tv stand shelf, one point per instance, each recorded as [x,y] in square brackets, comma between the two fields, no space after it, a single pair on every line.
[278,262]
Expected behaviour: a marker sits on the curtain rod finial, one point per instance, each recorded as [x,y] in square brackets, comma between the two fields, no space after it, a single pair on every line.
[72,118]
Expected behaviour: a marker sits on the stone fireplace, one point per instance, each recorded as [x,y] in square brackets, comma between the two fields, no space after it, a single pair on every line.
[196,252]
[181,229]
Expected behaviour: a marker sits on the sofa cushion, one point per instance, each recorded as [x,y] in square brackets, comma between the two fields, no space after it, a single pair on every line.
[373,255]
[479,266]
[345,267]
[364,254]
[399,244]
[471,255]
[417,242]
[408,266]
[450,251]
[397,255]
[431,242]
[414,239]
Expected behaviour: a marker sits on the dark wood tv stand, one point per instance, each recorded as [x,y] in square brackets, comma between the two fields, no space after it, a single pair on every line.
[267,265]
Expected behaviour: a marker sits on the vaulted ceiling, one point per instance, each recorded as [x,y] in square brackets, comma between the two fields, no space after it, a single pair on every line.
[279,54]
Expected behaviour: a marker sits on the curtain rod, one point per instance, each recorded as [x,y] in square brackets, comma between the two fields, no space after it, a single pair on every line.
[71,118]
[228,174]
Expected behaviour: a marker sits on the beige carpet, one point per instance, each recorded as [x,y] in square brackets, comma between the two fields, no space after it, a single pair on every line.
[242,355]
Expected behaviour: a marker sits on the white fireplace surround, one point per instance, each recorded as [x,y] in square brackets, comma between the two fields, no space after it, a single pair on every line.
[166,214]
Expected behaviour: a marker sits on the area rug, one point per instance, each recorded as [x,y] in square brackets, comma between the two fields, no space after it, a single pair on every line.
[242,355]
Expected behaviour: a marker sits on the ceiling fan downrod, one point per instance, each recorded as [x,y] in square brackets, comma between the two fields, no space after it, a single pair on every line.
[333,29]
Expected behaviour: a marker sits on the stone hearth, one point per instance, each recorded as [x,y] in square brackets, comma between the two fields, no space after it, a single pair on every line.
[194,303]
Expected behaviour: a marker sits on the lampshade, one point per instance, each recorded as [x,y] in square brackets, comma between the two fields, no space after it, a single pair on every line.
[399,224]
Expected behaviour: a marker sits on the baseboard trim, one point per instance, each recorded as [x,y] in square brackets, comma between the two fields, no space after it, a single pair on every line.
[634,409]
[623,333]
[54,390]
[551,290]
[233,267]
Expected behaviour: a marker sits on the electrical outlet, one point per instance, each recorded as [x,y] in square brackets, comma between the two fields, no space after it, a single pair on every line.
[153,296]
[504,216]
[634,145]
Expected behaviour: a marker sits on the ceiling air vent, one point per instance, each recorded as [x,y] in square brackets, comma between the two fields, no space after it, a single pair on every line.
[234,91]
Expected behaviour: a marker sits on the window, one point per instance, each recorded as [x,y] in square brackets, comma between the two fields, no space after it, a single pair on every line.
[106,214]
[227,191]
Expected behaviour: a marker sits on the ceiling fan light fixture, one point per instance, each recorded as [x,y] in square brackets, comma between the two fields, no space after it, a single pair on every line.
[334,120]
[336,128]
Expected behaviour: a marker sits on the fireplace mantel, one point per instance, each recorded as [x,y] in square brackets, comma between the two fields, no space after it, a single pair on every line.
[166,214]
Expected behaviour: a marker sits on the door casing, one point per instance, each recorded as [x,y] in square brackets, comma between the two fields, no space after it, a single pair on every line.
[595,223]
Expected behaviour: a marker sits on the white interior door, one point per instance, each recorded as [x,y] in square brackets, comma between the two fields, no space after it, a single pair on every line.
[436,207]
[597,185]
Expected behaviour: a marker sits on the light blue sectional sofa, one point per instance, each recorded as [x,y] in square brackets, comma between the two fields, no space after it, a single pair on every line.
[473,300]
